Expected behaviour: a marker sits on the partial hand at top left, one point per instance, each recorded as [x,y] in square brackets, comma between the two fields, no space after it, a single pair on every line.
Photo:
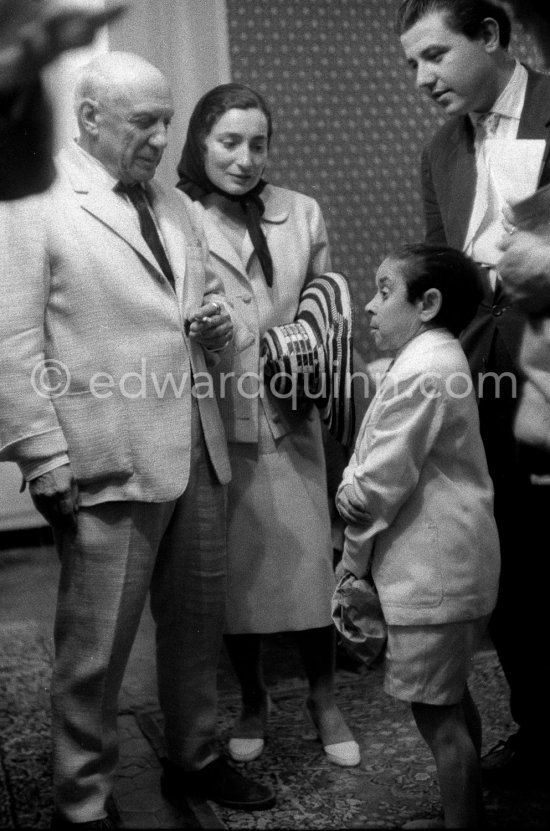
[32,40]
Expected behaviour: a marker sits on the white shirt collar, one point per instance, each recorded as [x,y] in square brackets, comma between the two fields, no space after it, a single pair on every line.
[510,101]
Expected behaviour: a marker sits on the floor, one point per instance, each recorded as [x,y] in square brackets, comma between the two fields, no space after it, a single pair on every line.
[394,783]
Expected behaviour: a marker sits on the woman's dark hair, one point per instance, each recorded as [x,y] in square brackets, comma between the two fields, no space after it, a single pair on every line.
[465,16]
[455,275]
[217,101]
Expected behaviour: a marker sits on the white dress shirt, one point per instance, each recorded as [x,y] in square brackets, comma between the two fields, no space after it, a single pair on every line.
[497,174]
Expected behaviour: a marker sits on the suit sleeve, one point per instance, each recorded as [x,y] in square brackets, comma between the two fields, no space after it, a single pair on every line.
[30,434]
[435,229]
[389,461]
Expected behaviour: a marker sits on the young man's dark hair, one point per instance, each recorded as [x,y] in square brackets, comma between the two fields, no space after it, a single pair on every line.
[526,9]
[452,273]
[464,16]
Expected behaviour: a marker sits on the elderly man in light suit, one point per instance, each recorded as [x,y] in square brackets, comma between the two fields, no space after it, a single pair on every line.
[110,314]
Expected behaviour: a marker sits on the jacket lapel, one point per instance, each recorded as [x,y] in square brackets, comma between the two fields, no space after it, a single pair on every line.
[535,117]
[276,211]
[220,248]
[176,236]
[105,205]
[460,178]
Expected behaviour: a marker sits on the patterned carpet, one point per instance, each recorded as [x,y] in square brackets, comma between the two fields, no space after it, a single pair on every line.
[395,781]
[25,788]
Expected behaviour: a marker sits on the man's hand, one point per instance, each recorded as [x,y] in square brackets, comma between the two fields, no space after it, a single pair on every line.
[211,326]
[525,269]
[55,495]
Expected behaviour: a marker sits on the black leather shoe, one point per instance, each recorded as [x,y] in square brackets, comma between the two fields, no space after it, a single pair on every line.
[61,824]
[511,765]
[217,781]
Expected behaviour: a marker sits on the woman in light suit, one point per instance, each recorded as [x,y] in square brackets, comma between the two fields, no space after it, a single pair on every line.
[266,242]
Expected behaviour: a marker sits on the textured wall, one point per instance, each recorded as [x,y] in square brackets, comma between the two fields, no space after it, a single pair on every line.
[348,123]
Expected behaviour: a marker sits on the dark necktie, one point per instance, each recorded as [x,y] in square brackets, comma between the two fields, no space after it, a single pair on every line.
[136,195]
[253,208]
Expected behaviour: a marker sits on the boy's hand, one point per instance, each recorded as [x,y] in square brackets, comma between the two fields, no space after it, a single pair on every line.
[351,510]
[341,571]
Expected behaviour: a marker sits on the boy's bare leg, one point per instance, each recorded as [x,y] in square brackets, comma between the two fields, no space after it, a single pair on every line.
[446,732]
[473,720]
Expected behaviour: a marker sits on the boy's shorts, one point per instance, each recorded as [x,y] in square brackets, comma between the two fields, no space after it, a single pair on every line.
[430,664]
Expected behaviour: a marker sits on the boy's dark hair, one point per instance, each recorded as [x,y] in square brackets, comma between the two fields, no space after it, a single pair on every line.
[465,16]
[454,274]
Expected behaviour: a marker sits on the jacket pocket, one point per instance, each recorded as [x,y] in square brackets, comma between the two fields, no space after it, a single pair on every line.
[407,566]
[97,437]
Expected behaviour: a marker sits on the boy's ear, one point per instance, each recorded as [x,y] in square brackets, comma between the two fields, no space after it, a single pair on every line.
[430,304]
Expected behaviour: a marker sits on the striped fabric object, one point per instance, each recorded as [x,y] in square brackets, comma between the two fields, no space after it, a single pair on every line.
[311,358]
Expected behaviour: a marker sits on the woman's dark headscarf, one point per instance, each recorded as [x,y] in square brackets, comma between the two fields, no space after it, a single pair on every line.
[191,171]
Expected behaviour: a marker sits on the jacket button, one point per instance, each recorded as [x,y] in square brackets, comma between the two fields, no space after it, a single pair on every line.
[246,298]
[496,311]
[276,418]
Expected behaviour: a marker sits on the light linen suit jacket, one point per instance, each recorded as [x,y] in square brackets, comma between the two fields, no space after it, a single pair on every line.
[419,471]
[297,238]
[82,293]
[449,185]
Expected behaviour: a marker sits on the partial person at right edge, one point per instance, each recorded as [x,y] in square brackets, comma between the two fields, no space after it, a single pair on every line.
[525,271]
[458,52]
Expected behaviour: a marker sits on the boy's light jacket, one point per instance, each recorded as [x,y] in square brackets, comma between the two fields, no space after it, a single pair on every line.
[419,470]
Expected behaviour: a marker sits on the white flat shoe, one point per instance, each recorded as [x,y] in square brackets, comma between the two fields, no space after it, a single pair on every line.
[245,750]
[345,754]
